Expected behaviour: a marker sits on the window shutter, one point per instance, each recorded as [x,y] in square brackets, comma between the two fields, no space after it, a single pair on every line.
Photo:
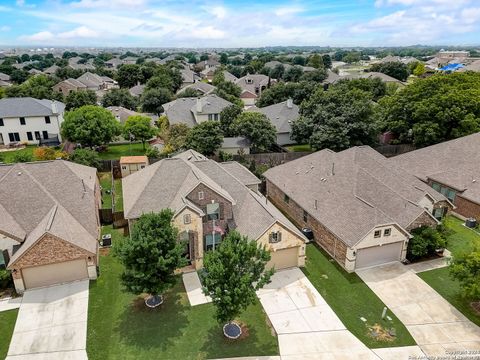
[270,237]
[222,211]
[279,236]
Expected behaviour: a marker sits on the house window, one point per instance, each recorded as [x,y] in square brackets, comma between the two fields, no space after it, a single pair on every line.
[377,233]
[212,241]
[438,213]
[14,136]
[436,186]
[1,122]
[142,166]
[37,135]
[201,195]
[451,195]
[22,121]
[210,117]
[3,260]
[187,219]
[286,198]
[275,237]
[47,119]
[305,216]
[249,81]
[45,134]
[213,211]
[387,232]
[29,136]
[124,167]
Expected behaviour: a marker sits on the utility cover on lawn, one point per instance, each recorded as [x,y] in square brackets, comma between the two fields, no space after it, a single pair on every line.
[154,301]
[232,330]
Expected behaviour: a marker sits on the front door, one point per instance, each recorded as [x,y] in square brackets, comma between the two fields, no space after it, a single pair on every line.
[1,140]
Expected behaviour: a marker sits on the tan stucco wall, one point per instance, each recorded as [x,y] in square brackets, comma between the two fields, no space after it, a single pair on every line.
[131,168]
[289,240]
[196,225]
[369,240]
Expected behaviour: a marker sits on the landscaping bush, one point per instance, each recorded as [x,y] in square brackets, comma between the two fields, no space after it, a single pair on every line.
[5,278]
[425,242]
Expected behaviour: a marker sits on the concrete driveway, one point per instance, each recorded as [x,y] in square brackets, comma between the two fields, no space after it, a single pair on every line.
[308,328]
[52,324]
[434,324]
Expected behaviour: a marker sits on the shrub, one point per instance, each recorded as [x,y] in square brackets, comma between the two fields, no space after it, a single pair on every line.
[5,278]
[425,242]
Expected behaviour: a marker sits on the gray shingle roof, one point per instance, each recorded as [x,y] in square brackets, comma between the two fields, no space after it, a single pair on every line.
[56,197]
[200,86]
[137,90]
[453,163]
[280,115]
[355,190]
[4,77]
[27,106]
[166,183]
[235,142]
[240,172]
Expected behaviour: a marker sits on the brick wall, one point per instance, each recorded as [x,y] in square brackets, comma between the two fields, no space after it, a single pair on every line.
[423,220]
[467,208]
[49,250]
[334,246]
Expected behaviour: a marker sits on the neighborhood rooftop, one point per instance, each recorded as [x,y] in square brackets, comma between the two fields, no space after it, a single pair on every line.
[27,106]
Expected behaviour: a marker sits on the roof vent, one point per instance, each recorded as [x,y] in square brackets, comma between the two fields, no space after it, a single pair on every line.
[19,173]
[474,181]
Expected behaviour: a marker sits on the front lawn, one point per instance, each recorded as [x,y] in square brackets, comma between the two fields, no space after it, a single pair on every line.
[119,326]
[299,148]
[114,152]
[352,299]
[7,323]
[460,240]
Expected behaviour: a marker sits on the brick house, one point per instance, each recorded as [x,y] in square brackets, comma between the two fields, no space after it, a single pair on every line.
[451,169]
[50,226]
[209,199]
[360,208]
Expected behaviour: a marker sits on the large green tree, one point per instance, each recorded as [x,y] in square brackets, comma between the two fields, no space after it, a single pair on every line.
[284,91]
[151,254]
[234,271]
[227,117]
[466,269]
[336,119]
[140,127]
[129,75]
[90,126]
[153,99]
[435,109]
[76,99]
[206,137]
[85,157]
[119,97]
[395,69]
[257,128]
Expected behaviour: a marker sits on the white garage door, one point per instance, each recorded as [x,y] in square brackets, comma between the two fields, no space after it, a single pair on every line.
[52,274]
[283,259]
[377,255]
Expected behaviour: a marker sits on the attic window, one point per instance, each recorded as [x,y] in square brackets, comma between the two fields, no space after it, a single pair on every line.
[201,195]
[275,237]
[377,233]
[187,219]
[249,81]
[286,198]
[387,232]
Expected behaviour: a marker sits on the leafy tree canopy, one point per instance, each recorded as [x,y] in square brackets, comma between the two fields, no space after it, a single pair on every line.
[85,157]
[76,99]
[395,69]
[153,99]
[466,269]
[140,128]
[257,128]
[119,97]
[206,138]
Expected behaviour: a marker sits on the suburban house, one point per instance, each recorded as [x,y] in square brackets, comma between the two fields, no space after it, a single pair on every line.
[208,73]
[282,116]
[252,87]
[76,63]
[121,113]
[49,230]
[359,205]
[235,145]
[209,199]
[51,70]
[188,77]
[201,87]
[96,82]
[208,64]
[451,168]
[137,90]
[68,85]
[384,77]
[31,121]
[192,111]
[131,164]
[229,76]
[4,80]
[113,63]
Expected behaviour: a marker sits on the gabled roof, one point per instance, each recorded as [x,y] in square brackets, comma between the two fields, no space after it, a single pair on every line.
[199,86]
[240,172]
[381,76]
[91,80]
[51,70]
[137,90]
[281,115]
[57,197]
[352,191]
[27,106]
[4,77]
[229,76]
[166,184]
[453,163]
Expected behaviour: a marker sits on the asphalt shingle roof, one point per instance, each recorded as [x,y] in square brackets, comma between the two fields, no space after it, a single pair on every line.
[27,106]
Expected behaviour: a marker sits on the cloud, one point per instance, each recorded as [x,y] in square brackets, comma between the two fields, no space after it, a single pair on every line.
[39,37]
[81,32]
[219,11]
[288,10]
[5,28]
[107,3]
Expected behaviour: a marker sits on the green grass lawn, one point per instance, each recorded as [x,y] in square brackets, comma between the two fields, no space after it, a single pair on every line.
[120,327]
[460,240]
[114,152]
[7,323]
[106,184]
[351,299]
[299,148]
[8,156]
[118,195]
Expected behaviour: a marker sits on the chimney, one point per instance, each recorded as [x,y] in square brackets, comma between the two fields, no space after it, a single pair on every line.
[199,105]
[289,103]
[54,107]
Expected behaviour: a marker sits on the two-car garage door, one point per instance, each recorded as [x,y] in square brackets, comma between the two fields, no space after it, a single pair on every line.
[377,255]
[57,273]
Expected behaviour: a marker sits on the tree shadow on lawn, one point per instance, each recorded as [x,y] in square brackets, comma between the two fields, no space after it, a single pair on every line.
[147,328]
[218,346]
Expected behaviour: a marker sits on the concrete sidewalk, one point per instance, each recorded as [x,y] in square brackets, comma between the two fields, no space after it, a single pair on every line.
[193,287]
[10,304]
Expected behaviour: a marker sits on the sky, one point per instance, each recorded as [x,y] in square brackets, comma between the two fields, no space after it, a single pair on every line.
[234,23]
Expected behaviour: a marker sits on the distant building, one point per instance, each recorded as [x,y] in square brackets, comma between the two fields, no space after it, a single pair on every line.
[235,145]
[132,164]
